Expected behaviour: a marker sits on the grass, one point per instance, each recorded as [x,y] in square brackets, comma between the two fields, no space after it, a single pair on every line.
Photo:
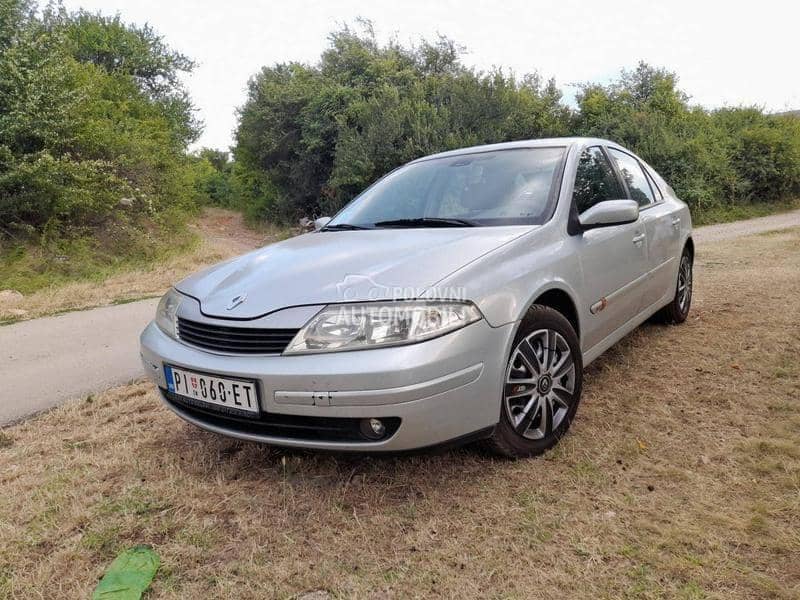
[89,276]
[679,479]
[29,268]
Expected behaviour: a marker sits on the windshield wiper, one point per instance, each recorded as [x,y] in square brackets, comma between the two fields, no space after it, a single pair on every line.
[426,222]
[343,227]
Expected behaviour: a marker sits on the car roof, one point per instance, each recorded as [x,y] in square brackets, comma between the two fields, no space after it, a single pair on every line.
[537,143]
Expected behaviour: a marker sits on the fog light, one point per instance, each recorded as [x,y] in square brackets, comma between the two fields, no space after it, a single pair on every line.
[377,427]
[373,429]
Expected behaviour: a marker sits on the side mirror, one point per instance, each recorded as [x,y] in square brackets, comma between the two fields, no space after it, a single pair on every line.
[609,212]
[321,222]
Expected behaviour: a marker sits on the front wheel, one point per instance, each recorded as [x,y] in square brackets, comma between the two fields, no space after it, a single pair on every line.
[542,385]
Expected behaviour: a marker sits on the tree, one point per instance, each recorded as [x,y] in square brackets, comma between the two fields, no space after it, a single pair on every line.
[91,112]
[310,137]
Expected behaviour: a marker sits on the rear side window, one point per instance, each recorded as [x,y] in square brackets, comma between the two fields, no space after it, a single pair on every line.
[634,176]
[665,186]
[661,186]
[595,180]
[653,185]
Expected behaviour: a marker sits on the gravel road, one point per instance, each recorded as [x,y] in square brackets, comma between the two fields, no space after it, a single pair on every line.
[46,361]
[726,231]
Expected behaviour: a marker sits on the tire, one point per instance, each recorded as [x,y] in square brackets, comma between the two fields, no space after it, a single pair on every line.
[541,387]
[677,310]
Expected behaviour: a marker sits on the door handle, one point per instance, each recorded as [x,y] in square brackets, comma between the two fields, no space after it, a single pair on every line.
[676,222]
[638,239]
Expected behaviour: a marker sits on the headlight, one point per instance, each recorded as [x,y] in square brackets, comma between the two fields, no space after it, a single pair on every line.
[379,324]
[167,311]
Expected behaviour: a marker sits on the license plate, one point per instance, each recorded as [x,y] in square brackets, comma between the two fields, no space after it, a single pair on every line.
[232,394]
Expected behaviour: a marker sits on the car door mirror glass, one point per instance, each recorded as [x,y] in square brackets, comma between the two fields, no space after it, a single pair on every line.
[609,212]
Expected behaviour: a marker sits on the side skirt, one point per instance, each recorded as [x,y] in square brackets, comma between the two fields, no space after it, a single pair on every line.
[595,351]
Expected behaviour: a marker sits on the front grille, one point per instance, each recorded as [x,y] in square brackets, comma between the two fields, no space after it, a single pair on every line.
[236,340]
[297,427]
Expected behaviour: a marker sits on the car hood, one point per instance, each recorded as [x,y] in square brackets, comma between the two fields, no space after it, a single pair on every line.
[340,266]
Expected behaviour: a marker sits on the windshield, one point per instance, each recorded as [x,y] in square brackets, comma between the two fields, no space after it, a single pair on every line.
[501,187]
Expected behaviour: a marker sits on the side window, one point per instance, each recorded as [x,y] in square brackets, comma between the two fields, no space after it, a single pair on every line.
[663,186]
[653,185]
[634,176]
[595,180]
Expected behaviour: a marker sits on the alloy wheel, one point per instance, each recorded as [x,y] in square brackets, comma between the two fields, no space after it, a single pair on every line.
[540,384]
[685,283]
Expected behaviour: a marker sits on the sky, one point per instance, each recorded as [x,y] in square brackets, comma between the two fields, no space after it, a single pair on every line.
[725,53]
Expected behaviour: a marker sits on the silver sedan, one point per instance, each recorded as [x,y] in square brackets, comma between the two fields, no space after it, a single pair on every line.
[458,298]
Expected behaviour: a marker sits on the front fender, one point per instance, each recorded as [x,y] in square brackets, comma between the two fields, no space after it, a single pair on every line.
[505,283]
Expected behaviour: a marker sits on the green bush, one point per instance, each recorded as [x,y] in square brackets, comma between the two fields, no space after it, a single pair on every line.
[94,123]
[212,172]
[311,137]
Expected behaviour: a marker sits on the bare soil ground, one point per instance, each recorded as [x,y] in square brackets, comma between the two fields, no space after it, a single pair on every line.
[222,234]
[679,479]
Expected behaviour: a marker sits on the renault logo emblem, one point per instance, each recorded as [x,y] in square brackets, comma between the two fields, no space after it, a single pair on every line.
[236,301]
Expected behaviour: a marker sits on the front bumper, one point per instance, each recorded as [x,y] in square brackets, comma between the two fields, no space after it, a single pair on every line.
[439,390]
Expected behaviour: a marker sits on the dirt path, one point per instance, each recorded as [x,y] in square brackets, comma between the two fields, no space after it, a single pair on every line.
[226,229]
[726,231]
[46,361]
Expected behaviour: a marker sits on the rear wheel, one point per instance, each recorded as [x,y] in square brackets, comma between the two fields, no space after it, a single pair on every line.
[542,385]
[678,309]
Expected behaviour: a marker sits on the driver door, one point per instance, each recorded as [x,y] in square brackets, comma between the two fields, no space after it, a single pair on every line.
[613,258]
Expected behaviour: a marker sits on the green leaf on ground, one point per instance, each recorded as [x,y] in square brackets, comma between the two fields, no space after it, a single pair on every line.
[128,576]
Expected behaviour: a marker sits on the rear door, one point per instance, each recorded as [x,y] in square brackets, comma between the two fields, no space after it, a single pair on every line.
[639,189]
[659,225]
[663,227]
[613,258]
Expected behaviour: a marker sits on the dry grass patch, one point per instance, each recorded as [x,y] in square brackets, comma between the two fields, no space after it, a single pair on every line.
[221,234]
[680,479]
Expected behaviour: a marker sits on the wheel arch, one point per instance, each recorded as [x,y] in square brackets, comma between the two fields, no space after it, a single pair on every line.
[689,244]
[561,301]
